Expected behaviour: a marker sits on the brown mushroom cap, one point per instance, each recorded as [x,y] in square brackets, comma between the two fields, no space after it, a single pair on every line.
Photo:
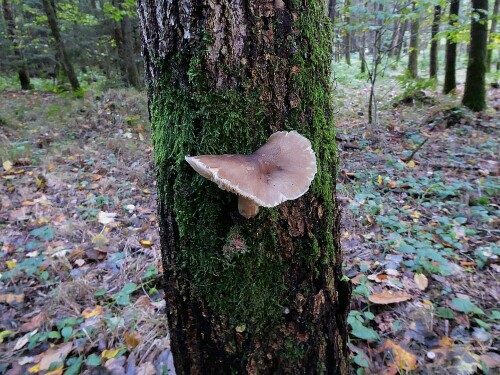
[280,170]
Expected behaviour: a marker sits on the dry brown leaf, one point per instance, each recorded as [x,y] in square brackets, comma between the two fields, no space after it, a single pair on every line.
[55,354]
[131,340]
[388,296]
[491,359]
[403,359]
[33,323]
[11,298]
[421,281]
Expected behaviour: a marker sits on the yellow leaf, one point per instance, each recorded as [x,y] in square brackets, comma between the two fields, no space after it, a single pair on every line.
[34,369]
[51,167]
[421,281]
[146,243]
[90,312]
[379,180]
[5,333]
[415,215]
[7,165]
[406,207]
[110,353]
[11,264]
[403,359]
[411,164]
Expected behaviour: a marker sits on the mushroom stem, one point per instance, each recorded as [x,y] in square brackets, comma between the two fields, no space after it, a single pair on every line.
[247,207]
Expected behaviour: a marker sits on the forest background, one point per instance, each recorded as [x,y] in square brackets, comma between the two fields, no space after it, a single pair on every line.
[80,263]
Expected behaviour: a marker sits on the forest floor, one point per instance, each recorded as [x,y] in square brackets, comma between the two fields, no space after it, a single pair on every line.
[80,260]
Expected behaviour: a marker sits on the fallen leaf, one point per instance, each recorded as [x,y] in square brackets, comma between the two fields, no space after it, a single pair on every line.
[90,312]
[106,217]
[11,264]
[387,297]
[33,323]
[421,281]
[7,165]
[11,298]
[110,353]
[411,164]
[55,354]
[22,341]
[131,340]
[491,359]
[5,334]
[403,359]
[146,243]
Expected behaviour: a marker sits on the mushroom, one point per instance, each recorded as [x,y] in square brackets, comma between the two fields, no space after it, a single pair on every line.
[280,170]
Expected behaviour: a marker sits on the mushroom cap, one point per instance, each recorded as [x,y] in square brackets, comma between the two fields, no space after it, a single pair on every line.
[280,170]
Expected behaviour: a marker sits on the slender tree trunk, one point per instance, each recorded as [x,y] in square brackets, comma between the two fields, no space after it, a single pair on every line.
[61,49]
[264,295]
[362,52]
[22,65]
[347,34]
[395,35]
[493,30]
[475,83]
[331,10]
[450,82]
[128,53]
[401,39]
[413,56]
[433,64]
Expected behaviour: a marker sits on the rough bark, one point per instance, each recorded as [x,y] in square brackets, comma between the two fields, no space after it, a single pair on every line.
[493,30]
[433,63]
[62,55]
[263,295]
[22,65]
[413,56]
[450,82]
[475,81]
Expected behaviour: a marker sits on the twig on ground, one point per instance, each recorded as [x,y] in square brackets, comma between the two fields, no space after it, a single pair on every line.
[406,160]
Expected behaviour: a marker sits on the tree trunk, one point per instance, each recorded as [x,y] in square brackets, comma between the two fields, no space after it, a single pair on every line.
[362,52]
[125,45]
[401,39]
[475,83]
[493,30]
[450,82]
[61,50]
[413,56]
[347,34]
[331,10]
[128,53]
[263,295]
[433,64]
[22,65]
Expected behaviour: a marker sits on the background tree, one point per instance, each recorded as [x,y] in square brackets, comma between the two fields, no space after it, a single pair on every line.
[414,48]
[258,295]
[475,85]
[433,63]
[22,66]
[451,51]
[61,53]
[493,29]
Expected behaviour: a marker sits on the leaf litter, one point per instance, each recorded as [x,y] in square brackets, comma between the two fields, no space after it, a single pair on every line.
[79,260]
[420,235]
